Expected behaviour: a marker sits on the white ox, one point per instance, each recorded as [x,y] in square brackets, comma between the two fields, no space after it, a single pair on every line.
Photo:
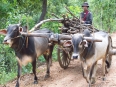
[89,52]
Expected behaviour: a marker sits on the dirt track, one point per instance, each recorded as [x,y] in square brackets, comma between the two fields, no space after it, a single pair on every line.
[71,77]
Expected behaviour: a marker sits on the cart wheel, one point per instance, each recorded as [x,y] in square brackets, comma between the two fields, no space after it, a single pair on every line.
[109,57]
[64,58]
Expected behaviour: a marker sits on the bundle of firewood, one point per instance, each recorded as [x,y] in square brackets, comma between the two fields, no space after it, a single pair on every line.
[73,25]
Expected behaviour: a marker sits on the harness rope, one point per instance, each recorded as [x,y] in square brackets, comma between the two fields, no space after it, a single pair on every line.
[84,56]
[24,40]
[20,48]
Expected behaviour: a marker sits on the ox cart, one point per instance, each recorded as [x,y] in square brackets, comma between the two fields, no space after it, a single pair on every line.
[69,27]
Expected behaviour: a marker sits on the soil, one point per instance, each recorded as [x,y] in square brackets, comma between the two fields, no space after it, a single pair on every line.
[70,77]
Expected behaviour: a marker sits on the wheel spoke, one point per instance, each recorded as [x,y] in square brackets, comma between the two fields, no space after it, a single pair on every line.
[64,58]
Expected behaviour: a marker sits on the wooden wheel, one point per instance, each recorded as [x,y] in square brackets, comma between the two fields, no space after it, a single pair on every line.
[64,57]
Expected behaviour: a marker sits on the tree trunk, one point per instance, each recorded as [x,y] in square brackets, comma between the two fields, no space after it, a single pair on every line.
[44,10]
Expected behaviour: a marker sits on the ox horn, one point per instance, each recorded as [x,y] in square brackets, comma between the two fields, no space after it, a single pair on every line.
[65,37]
[92,39]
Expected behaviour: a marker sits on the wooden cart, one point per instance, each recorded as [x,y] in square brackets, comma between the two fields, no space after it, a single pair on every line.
[71,26]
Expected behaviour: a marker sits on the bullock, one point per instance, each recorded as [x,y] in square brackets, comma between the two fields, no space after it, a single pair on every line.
[28,49]
[89,52]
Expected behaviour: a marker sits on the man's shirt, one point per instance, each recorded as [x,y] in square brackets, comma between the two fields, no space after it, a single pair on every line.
[87,17]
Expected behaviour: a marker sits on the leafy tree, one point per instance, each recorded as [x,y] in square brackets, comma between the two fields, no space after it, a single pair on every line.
[104,14]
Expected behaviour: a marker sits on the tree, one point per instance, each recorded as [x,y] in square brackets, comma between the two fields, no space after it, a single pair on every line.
[44,10]
[104,14]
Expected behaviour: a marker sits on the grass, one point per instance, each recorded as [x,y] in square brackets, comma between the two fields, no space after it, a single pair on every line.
[6,77]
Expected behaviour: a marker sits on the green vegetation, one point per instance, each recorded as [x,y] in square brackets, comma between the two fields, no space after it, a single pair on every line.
[28,13]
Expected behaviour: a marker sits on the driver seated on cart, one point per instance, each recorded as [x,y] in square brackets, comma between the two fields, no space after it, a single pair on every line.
[86,15]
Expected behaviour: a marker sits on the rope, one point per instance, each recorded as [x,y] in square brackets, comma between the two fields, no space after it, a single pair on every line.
[27,33]
[20,48]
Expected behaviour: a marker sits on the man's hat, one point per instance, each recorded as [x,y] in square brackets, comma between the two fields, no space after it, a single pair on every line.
[85,4]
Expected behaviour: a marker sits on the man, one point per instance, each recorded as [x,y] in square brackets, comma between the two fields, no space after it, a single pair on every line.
[86,15]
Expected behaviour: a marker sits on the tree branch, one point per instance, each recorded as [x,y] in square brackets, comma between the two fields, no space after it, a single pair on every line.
[71,12]
[47,20]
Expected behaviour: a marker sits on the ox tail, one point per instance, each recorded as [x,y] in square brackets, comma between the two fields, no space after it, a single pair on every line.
[108,49]
[108,64]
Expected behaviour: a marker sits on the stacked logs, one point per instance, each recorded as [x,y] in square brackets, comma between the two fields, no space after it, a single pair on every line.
[72,26]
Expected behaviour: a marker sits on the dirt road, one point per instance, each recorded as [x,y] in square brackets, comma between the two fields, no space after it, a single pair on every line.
[71,77]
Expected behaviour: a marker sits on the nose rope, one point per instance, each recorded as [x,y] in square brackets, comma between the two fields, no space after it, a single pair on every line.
[14,37]
[20,48]
[82,52]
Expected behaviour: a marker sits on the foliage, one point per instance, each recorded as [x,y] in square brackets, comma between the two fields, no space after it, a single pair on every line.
[7,63]
[104,14]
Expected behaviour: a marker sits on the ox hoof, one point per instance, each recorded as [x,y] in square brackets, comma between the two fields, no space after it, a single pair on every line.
[51,64]
[89,85]
[104,79]
[93,80]
[87,80]
[46,76]
[17,84]
[106,70]
[35,82]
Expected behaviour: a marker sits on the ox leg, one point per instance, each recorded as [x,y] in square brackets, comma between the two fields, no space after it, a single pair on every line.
[84,71]
[50,54]
[108,63]
[104,69]
[85,74]
[18,75]
[47,58]
[34,72]
[93,73]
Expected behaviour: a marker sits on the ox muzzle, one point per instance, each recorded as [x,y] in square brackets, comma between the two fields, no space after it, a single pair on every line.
[6,40]
[75,56]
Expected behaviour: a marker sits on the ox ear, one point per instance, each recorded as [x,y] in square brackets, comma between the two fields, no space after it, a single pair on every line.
[20,29]
[3,32]
[67,43]
[85,43]
[25,28]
